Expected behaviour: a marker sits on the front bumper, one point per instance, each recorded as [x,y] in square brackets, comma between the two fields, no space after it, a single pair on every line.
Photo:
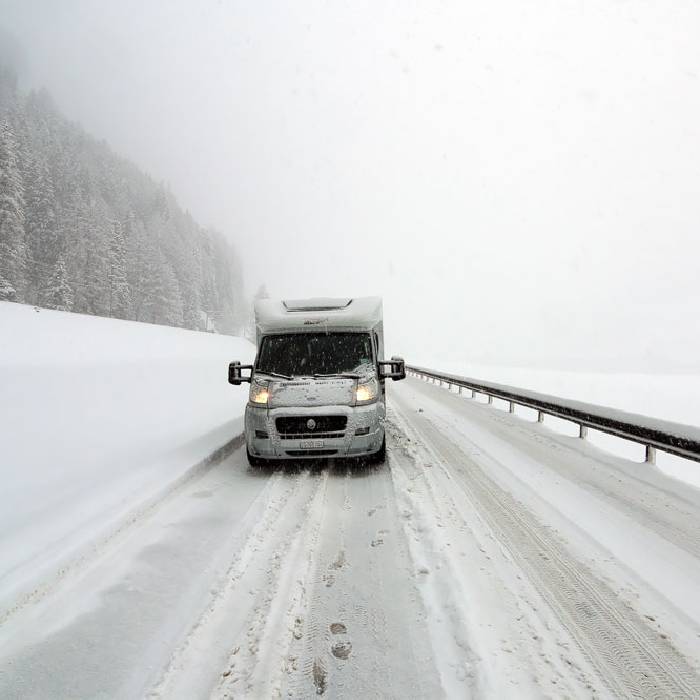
[275,446]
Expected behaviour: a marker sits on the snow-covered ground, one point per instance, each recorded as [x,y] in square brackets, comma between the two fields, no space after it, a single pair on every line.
[491,557]
[578,569]
[96,416]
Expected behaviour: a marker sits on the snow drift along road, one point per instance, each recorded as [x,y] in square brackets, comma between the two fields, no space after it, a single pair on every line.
[673,397]
[96,415]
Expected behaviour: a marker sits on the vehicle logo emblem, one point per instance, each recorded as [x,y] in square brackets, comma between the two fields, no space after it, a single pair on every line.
[311,424]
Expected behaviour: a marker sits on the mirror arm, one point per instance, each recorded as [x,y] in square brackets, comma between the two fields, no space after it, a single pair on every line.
[397,371]
[235,374]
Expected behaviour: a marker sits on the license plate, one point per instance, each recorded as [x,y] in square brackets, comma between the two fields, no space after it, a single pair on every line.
[310,444]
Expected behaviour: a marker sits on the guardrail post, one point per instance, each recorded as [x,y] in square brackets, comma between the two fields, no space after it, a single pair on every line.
[511,407]
[490,399]
[583,431]
[473,394]
[650,457]
[459,389]
[540,417]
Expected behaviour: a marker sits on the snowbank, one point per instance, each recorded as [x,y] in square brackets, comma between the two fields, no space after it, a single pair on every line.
[97,415]
[672,397]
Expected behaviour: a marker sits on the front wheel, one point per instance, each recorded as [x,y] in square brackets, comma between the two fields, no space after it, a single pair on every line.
[254,461]
[379,457]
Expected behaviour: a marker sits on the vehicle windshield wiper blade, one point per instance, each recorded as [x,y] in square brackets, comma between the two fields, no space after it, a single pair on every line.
[275,374]
[348,375]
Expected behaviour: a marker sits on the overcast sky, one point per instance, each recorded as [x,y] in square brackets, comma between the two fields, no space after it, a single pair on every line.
[519,180]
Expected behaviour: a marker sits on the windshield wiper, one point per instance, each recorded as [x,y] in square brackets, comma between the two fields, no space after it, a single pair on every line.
[347,375]
[275,374]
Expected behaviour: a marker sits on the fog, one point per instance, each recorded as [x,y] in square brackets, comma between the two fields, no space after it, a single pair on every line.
[519,181]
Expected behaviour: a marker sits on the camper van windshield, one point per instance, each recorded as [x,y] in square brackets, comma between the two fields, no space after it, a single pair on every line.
[307,354]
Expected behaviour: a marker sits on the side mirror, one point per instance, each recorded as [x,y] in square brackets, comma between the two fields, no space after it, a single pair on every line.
[392,369]
[235,375]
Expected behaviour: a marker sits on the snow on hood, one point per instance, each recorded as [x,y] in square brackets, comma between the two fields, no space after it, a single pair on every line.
[335,391]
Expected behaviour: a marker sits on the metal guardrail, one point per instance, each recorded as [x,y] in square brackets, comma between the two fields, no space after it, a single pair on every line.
[675,438]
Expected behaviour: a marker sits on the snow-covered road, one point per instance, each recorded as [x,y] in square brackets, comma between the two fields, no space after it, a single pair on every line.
[490,557]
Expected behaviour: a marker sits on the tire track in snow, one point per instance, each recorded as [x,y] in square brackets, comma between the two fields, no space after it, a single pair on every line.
[490,636]
[673,515]
[275,621]
[631,658]
[235,646]
[675,519]
[309,672]
[364,632]
[455,659]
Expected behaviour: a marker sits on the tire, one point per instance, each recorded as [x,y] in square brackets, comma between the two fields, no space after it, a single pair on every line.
[254,461]
[379,457]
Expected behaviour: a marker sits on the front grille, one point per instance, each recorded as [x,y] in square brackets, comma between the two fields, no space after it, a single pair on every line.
[310,436]
[295,427]
[311,453]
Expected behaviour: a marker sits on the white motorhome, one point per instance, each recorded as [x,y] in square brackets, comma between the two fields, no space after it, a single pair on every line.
[317,388]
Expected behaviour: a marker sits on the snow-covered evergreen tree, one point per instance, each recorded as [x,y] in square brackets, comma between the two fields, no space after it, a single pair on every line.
[168,297]
[57,293]
[44,243]
[96,262]
[262,292]
[61,193]
[249,329]
[119,292]
[72,226]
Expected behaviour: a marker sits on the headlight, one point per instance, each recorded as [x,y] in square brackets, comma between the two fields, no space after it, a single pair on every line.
[259,393]
[366,392]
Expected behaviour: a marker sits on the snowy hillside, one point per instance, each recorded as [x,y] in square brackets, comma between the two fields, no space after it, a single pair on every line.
[84,230]
[96,416]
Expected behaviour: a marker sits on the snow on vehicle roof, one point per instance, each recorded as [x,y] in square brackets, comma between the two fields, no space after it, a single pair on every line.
[318,304]
[298,315]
